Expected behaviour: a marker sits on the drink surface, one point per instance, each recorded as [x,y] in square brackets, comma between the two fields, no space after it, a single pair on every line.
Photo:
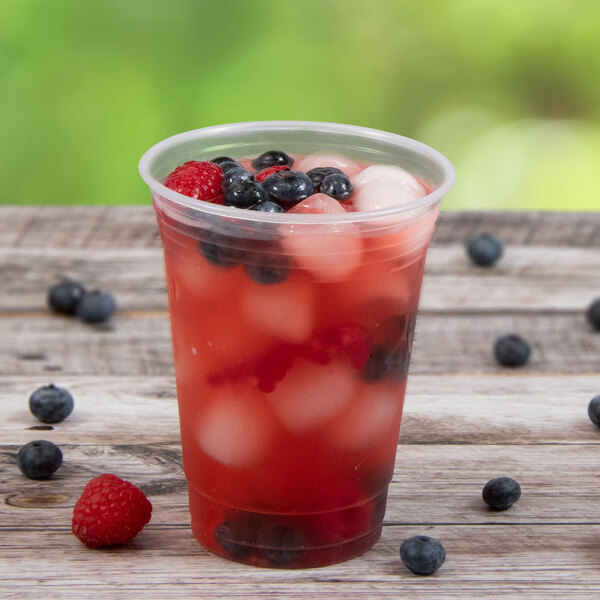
[291,351]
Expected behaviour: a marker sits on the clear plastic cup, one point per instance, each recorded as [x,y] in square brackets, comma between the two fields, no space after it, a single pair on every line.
[292,336]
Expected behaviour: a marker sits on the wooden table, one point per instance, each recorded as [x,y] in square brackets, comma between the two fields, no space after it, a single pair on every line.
[466,419]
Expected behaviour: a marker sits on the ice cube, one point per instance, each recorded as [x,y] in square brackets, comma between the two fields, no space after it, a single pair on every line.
[368,420]
[377,284]
[236,430]
[311,394]
[318,204]
[406,244]
[388,173]
[383,186]
[328,159]
[329,256]
[284,310]
[330,252]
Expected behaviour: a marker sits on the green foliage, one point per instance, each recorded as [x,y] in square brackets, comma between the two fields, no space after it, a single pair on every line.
[508,91]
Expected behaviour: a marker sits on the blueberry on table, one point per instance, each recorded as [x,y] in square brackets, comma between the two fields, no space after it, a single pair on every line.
[512,350]
[65,296]
[422,555]
[337,186]
[272,158]
[501,493]
[593,314]
[51,404]
[39,459]
[96,306]
[484,249]
[288,187]
[245,194]
[594,410]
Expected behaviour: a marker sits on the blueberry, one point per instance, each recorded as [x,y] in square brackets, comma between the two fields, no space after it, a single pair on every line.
[594,410]
[245,194]
[512,350]
[272,158]
[317,175]
[219,249]
[219,160]
[380,363]
[267,267]
[423,555]
[96,307]
[39,459]
[229,165]
[337,186]
[501,493]
[65,296]
[593,314]
[233,175]
[226,536]
[51,404]
[484,249]
[268,206]
[281,543]
[385,362]
[288,187]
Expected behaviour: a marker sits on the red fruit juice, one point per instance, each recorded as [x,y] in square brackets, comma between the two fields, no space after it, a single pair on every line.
[290,393]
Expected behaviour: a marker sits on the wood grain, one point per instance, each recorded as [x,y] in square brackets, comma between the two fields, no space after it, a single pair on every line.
[483,561]
[465,421]
[527,279]
[140,343]
[103,227]
[433,484]
[445,409]
[546,543]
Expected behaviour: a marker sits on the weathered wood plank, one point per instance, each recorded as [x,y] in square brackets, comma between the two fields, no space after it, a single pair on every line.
[140,343]
[466,419]
[432,484]
[547,542]
[482,562]
[78,227]
[471,409]
[134,276]
[52,344]
[527,278]
[103,227]
[523,228]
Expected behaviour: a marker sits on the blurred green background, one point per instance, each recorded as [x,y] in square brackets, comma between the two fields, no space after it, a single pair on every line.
[509,91]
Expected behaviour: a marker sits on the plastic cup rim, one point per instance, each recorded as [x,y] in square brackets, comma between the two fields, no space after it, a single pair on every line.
[186,202]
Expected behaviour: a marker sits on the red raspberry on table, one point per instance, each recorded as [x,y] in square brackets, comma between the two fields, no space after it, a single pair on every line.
[110,511]
[269,171]
[196,179]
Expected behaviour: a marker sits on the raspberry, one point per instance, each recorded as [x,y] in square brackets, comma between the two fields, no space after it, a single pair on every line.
[349,339]
[269,171]
[110,511]
[200,180]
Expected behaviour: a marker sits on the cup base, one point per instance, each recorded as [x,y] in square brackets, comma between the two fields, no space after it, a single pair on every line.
[287,541]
